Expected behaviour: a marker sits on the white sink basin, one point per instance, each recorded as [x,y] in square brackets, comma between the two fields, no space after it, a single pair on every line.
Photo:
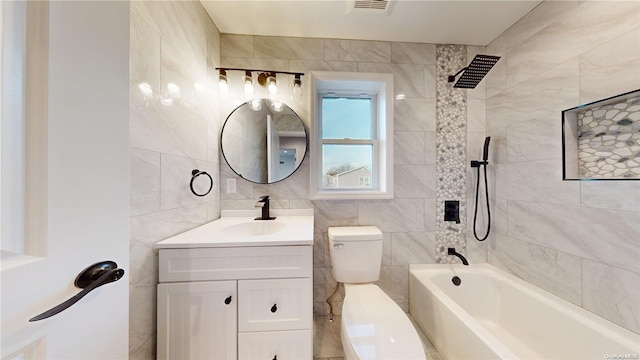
[238,228]
[255,228]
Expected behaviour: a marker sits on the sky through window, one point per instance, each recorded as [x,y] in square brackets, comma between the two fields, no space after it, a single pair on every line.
[346,118]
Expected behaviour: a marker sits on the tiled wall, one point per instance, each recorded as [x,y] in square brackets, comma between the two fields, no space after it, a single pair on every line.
[408,221]
[171,133]
[578,240]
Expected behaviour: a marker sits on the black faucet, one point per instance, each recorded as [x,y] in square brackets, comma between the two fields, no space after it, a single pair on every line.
[452,251]
[264,204]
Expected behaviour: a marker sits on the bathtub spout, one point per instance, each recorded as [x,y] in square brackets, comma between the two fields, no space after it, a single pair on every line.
[452,251]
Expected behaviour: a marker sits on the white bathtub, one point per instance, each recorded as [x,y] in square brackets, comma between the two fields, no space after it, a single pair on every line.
[494,315]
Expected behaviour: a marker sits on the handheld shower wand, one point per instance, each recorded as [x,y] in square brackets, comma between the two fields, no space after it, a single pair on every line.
[485,154]
[477,164]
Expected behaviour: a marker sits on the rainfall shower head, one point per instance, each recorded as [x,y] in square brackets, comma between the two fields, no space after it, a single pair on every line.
[475,72]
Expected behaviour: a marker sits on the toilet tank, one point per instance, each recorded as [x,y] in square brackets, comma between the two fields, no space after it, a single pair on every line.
[356,253]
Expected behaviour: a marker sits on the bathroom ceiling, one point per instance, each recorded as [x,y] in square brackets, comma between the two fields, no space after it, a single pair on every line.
[475,22]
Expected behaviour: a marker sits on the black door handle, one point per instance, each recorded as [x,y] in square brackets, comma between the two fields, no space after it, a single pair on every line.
[274,308]
[227,300]
[90,278]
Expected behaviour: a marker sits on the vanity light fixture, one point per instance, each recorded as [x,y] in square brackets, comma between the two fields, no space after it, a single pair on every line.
[266,78]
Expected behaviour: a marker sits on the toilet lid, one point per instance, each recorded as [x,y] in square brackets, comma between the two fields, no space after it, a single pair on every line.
[354,233]
[376,327]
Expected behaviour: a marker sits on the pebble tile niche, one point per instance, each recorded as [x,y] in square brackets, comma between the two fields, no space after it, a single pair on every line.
[608,138]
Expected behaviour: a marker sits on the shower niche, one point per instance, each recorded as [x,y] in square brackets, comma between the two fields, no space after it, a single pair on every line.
[601,140]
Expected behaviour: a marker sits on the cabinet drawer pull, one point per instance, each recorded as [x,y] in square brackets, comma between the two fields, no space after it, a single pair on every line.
[275,357]
[274,308]
[227,300]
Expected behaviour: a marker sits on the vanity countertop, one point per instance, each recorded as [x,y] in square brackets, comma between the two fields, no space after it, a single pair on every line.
[237,228]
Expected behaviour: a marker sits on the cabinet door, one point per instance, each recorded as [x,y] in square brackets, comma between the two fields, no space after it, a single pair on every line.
[275,304]
[276,345]
[197,320]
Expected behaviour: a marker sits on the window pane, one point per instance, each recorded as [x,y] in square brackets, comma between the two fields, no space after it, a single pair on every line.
[347,166]
[346,118]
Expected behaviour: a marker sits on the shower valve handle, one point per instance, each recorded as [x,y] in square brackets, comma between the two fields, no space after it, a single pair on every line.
[477,163]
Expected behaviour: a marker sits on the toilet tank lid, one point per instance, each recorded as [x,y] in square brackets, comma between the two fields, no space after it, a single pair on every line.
[354,233]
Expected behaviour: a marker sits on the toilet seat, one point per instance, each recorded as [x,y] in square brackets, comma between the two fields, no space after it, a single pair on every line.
[375,327]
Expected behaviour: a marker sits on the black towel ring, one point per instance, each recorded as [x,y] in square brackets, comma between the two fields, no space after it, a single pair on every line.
[194,174]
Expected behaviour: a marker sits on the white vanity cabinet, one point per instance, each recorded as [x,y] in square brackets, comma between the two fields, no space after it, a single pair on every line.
[197,320]
[235,303]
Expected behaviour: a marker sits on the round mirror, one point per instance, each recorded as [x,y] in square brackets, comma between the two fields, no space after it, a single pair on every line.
[263,141]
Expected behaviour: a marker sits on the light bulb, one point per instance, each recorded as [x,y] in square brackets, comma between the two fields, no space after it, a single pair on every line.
[248,82]
[222,81]
[297,85]
[223,86]
[271,83]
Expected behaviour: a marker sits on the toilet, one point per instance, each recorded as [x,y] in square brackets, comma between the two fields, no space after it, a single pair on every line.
[373,325]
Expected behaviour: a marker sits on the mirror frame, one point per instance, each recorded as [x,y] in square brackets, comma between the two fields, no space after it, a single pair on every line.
[306,138]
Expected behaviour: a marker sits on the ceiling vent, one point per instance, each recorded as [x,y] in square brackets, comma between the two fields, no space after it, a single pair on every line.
[372,7]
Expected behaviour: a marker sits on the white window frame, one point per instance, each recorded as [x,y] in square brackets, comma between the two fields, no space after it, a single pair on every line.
[373,140]
[353,83]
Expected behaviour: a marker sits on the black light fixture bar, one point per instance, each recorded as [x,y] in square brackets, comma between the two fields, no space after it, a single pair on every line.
[261,71]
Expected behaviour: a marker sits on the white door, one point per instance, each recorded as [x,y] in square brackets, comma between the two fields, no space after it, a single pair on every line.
[69,207]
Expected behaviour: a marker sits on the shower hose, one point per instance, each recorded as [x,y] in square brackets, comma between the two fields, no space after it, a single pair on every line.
[475,212]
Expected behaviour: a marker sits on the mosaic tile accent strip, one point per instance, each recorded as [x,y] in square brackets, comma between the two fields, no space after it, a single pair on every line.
[451,139]
[609,140]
